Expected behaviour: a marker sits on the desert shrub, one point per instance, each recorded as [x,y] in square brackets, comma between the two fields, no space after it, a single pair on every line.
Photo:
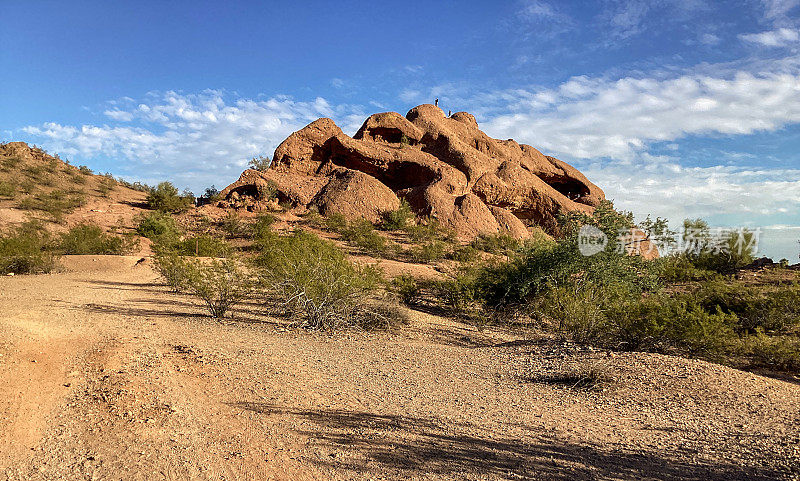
[202,246]
[7,189]
[159,227]
[678,268]
[85,170]
[429,251]
[730,251]
[36,171]
[772,310]
[261,163]
[615,318]
[664,323]
[221,284]
[406,288]
[361,233]
[262,227]
[313,279]
[429,230]
[210,195]
[56,203]
[90,239]
[773,352]
[584,377]
[10,162]
[399,218]
[501,243]
[78,179]
[232,225]
[465,254]
[458,293]
[165,198]
[335,222]
[172,269]
[105,186]
[26,249]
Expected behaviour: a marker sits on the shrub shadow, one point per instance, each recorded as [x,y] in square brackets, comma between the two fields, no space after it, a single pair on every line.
[403,447]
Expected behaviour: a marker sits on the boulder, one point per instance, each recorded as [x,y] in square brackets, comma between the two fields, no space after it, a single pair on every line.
[445,167]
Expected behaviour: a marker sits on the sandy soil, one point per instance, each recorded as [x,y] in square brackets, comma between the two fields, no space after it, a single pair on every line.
[106,375]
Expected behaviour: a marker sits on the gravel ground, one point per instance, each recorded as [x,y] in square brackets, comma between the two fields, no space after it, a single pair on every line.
[106,375]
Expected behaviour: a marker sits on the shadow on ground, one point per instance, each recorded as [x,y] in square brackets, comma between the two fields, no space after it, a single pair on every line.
[403,447]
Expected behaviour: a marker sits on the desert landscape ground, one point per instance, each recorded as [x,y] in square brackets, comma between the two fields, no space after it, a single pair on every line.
[110,371]
[105,374]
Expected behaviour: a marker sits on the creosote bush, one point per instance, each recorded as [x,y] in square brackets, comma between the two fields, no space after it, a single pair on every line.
[56,203]
[221,284]
[26,249]
[165,198]
[90,239]
[7,189]
[159,227]
[500,243]
[314,280]
[399,218]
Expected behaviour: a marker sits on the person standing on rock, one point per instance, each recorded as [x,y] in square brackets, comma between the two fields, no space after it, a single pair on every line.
[436,103]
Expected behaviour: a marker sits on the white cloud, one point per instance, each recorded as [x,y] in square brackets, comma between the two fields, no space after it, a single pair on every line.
[196,139]
[665,188]
[591,117]
[775,38]
[778,10]
[710,39]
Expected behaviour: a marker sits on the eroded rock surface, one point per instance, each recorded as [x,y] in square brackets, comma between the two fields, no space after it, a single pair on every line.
[444,167]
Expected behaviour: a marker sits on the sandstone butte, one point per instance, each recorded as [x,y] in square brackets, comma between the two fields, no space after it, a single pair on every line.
[445,168]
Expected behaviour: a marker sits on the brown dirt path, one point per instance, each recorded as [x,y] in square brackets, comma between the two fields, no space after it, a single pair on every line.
[133,382]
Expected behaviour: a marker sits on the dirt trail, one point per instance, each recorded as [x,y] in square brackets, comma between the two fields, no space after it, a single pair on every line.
[106,375]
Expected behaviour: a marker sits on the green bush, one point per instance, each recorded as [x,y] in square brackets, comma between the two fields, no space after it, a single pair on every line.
[428,252]
[57,203]
[90,239]
[172,269]
[615,318]
[773,352]
[399,218]
[361,233]
[221,284]
[733,250]
[7,189]
[35,171]
[336,222]
[407,289]
[260,163]
[501,243]
[773,310]
[10,162]
[26,249]
[165,198]
[465,254]
[678,268]
[159,227]
[232,225]
[429,230]
[105,186]
[313,279]
[262,227]
[85,170]
[202,246]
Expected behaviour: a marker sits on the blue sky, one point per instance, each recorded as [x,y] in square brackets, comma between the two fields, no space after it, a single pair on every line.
[675,108]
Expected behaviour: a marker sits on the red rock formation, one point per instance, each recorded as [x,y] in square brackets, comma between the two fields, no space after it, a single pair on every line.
[445,167]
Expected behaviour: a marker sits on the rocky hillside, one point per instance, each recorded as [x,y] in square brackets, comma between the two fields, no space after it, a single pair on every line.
[36,184]
[444,167]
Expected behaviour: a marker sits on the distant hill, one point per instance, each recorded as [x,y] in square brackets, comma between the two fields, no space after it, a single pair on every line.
[35,184]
